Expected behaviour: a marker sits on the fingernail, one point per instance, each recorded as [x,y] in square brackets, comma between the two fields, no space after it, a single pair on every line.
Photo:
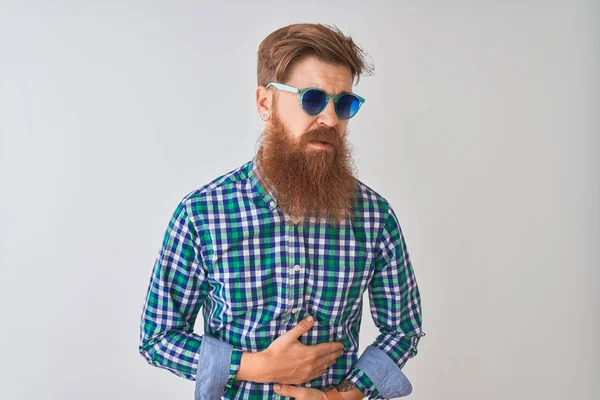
[277,386]
[309,318]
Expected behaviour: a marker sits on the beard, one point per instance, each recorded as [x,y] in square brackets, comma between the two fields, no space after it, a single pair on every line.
[308,181]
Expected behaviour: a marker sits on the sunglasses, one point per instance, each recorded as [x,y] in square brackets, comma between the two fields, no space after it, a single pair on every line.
[314,100]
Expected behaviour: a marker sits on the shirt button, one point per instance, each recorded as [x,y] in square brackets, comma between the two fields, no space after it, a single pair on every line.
[272,204]
[297,268]
[295,310]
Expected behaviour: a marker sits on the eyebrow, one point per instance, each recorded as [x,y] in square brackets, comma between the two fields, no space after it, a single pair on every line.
[317,86]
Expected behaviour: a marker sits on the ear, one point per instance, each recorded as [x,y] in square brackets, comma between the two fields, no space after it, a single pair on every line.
[264,100]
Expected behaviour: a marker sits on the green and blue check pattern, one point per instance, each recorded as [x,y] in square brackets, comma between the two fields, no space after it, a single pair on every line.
[231,253]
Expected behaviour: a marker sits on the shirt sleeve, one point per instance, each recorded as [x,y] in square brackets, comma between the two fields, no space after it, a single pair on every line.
[396,310]
[177,289]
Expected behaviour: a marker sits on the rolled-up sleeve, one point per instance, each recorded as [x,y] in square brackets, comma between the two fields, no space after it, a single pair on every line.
[177,289]
[396,310]
[217,367]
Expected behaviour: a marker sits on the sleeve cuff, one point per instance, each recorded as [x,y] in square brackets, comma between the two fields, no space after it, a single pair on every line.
[236,360]
[387,378]
[218,363]
[362,383]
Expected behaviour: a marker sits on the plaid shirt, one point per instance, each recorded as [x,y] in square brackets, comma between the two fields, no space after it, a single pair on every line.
[231,252]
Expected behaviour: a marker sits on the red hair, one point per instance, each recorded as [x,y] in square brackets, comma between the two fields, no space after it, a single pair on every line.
[281,49]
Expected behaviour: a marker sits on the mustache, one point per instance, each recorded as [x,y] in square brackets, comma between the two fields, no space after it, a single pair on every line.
[322,134]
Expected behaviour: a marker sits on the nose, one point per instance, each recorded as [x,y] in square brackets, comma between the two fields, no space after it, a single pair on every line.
[328,115]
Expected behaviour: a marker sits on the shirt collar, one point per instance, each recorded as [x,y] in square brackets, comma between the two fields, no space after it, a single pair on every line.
[266,194]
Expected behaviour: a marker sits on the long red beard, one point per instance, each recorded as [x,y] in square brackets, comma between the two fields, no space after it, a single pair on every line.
[308,181]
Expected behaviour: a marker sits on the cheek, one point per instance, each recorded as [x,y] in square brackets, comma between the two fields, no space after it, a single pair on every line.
[295,120]
[307,124]
[299,124]
[342,124]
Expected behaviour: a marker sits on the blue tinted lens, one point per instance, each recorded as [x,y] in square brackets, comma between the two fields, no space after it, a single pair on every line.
[347,106]
[313,101]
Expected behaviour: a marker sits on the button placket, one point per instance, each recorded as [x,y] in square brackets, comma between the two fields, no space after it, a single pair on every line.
[295,278]
[290,258]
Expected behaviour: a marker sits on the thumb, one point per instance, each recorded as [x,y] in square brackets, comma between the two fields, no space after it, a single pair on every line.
[287,390]
[301,327]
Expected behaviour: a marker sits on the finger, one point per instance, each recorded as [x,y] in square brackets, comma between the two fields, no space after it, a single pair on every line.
[301,327]
[289,390]
[322,349]
[329,360]
[318,374]
[331,357]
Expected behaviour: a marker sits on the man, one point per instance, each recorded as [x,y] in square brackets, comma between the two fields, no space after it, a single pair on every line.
[289,235]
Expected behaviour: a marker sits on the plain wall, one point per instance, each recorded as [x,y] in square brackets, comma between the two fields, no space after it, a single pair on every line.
[481,127]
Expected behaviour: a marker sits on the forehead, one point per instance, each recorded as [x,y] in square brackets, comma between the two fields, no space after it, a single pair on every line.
[312,72]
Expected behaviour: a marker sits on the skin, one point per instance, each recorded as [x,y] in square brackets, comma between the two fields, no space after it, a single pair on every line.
[296,131]
[293,161]
[309,72]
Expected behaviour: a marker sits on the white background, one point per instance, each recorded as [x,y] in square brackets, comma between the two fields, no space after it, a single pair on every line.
[481,127]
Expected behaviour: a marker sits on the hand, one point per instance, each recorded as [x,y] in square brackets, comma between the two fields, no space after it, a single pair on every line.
[289,361]
[300,393]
